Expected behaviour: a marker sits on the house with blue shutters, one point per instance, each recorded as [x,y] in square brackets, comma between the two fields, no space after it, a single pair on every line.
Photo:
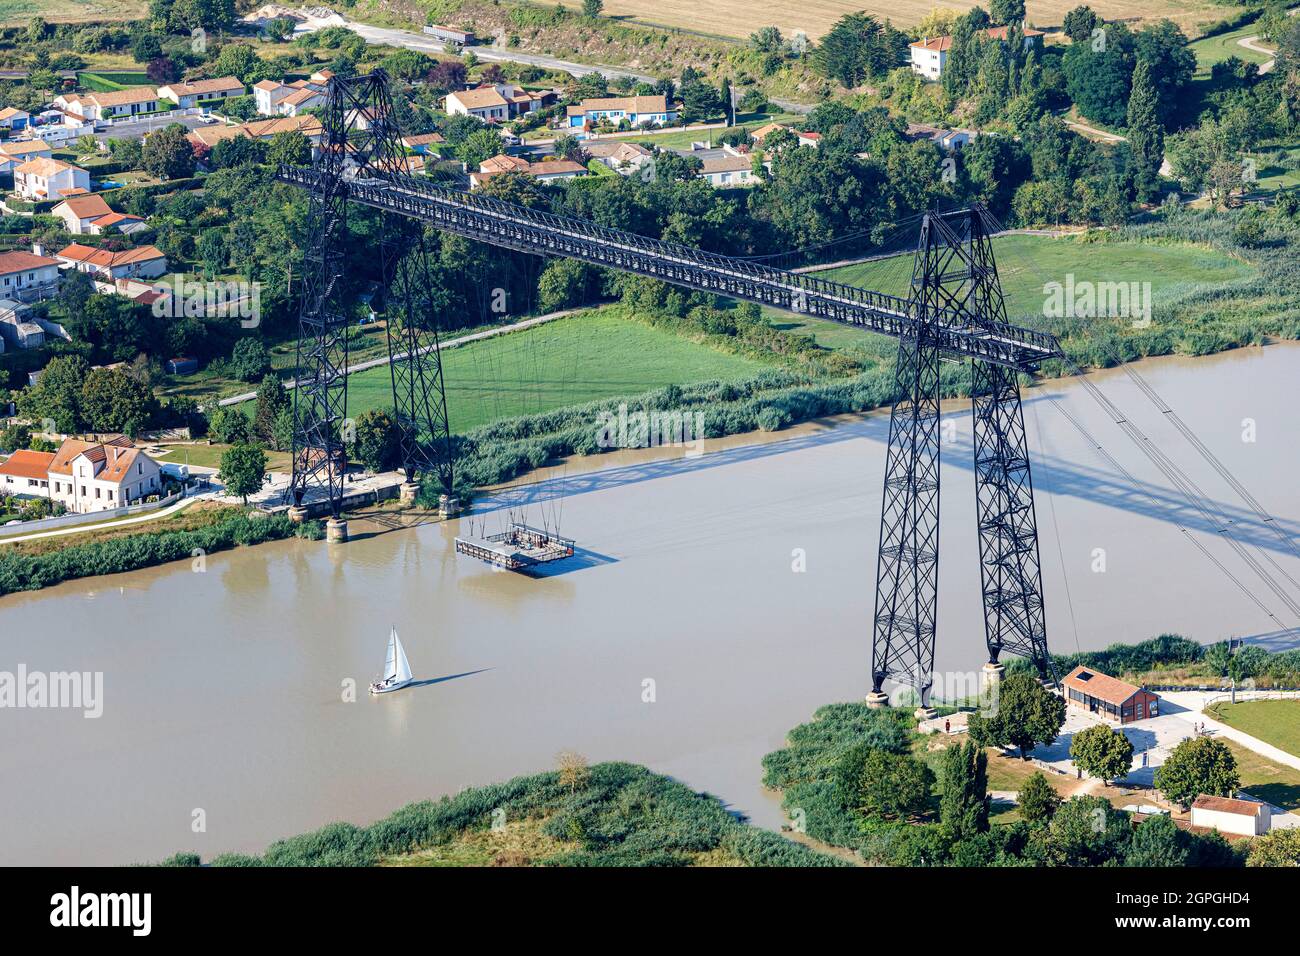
[636,110]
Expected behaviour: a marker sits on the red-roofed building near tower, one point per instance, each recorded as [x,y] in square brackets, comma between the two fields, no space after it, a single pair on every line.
[99,476]
[142,262]
[1089,689]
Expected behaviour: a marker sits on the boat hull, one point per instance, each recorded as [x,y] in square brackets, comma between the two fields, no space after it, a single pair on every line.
[380,688]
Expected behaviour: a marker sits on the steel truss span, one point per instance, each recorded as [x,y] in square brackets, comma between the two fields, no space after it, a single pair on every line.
[955,308]
[499,223]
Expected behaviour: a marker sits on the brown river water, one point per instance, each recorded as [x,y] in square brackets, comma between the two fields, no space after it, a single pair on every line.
[223,690]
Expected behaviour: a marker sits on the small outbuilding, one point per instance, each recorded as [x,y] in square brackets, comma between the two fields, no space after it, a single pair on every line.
[1091,690]
[1228,815]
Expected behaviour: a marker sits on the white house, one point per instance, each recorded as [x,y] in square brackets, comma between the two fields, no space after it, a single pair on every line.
[622,157]
[929,55]
[728,169]
[26,474]
[90,215]
[1242,817]
[99,476]
[551,171]
[27,277]
[118,104]
[267,129]
[14,154]
[44,178]
[190,94]
[13,118]
[143,262]
[275,98]
[637,110]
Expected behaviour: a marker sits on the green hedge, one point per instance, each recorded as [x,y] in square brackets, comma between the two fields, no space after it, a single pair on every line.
[27,572]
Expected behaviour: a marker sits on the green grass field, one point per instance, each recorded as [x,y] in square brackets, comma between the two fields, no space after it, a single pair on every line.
[1216,49]
[1265,779]
[1027,263]
[585,357]
[1276,722]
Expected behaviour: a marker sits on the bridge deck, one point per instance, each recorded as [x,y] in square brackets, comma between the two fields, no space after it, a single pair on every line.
[527,230]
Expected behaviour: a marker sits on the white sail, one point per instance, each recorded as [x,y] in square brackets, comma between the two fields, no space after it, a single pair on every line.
[390,661]
[403,671]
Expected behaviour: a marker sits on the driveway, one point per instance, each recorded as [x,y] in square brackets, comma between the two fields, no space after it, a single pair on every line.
[1156,737]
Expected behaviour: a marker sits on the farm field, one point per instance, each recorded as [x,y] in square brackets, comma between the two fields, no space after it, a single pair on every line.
[1276,722]
[20,11]
[1027,263]
[567,362]
[733,19]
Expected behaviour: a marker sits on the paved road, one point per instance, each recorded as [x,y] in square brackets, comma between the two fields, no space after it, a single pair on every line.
[496,54]
[141,128]
[1252,43]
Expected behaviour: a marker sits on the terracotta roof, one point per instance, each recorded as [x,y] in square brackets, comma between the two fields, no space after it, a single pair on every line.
[269,85]
[503,164]
[726,164]
[86,207]
[11,262]
[762,132]
[26,147]
[479,98]
[134,94]
[94,451]
[422,139]
[117,462]
[199,87]
[305,95]
[28,464]
[258,129]
[115,219]
[46,167]
[10,111]
[104,259]
[1101,686]
[1228,805]
[614,150]
[628,104]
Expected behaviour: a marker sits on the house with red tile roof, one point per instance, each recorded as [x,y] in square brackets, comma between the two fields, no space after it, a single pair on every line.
[45,178]
[101,475]
[106,265]
[26,474]
[27,277]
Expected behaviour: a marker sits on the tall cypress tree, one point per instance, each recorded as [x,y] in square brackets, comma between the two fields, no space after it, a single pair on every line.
[964,792]
[1146,135]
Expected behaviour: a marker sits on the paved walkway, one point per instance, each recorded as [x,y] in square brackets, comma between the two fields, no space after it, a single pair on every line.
[1193,703]
[113,524]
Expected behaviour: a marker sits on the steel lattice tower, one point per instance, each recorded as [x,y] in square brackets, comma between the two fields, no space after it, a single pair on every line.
[955,274]
[907,571]
[361,141]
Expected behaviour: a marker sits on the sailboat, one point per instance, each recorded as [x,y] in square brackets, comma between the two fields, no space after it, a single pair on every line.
[397,669]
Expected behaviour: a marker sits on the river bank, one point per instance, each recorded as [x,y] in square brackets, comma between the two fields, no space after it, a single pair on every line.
[740,590]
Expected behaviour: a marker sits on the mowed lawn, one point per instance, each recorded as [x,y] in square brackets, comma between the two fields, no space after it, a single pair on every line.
[579,359]
[1266,779]
[1027,263]
[1275,722]
[1216,49]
